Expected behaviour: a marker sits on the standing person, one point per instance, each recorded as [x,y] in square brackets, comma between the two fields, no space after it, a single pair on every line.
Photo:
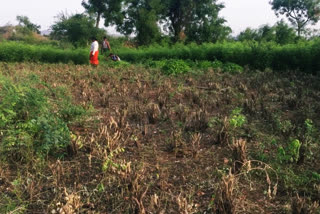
[94,52]
[105,45]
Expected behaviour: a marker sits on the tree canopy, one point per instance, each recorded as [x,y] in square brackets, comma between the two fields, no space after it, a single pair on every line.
[153,21]
[182,20]
[298,12]
[280,33]
[141,17]
[108,9]
[77,29]
[26,23]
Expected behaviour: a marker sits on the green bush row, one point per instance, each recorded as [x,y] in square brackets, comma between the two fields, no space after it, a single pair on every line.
[177,66]
[19,52]
[302,56]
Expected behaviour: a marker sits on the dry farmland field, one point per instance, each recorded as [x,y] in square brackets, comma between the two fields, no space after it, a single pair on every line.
[130,139]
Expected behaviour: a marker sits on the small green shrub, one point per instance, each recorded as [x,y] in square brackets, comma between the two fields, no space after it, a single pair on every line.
[237,119]
[316,176]
[205,64]
[294,150]
[175,67]
[155,64]
[291,153]
[31,124]
[218,65]
[232,68]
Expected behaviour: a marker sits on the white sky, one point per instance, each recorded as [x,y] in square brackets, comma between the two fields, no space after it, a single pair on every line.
[239,14]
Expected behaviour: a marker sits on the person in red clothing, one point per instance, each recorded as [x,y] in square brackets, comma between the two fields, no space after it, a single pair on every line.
[94,52]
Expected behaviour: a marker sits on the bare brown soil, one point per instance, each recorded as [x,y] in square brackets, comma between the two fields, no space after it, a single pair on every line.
[164,144]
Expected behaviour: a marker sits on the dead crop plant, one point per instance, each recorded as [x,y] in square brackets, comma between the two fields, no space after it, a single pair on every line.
[71,203]
[122,117]
[176,144]
[239,153]
[225,201]
[58,173]
[184,206]
[109,137]
[162,98]
[197,121]
[271,176]
[104,96]
[195,142]
[153,112]
[137,188]
[301,205]
[223,135]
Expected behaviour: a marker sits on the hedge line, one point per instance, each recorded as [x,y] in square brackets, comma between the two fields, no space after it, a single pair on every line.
[302,56]
[19,52]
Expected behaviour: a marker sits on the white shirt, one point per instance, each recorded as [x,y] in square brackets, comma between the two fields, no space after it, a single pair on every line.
[105,44]
[94,47]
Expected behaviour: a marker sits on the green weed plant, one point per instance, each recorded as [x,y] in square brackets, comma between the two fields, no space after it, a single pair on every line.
[32,125]
[291,153]
[174,67]
[237,119]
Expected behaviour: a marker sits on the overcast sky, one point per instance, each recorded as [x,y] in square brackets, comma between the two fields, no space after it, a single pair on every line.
[239,14]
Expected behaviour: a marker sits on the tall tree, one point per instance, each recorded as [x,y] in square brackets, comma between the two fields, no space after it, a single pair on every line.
[284,33]
[266,33]
[248,35]
[178,16]
[141,18]
[205,24]
[25,22]
[77,29]
[194,19]
[298,12]
[103,8]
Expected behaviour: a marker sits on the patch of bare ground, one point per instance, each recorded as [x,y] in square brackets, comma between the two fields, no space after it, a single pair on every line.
[206,143]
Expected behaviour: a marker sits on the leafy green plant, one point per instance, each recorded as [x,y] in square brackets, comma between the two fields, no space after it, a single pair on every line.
[205,64]
[216,64]
[237,119]
[213,121]
[294,150]
[174,67]
[291,153]
[284,126]
[30,124]
[110,163]
[316,176]
[309,131]
[232,68]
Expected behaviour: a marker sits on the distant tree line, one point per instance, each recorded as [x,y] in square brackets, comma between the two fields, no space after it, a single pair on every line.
[171,21]
[280,33]
[150,21]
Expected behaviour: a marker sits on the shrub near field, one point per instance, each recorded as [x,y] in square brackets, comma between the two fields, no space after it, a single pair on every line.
[303,56]
[34,118]
[20,52]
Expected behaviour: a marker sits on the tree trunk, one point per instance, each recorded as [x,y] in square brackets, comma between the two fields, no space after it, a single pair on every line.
[299,30]
[98,19]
